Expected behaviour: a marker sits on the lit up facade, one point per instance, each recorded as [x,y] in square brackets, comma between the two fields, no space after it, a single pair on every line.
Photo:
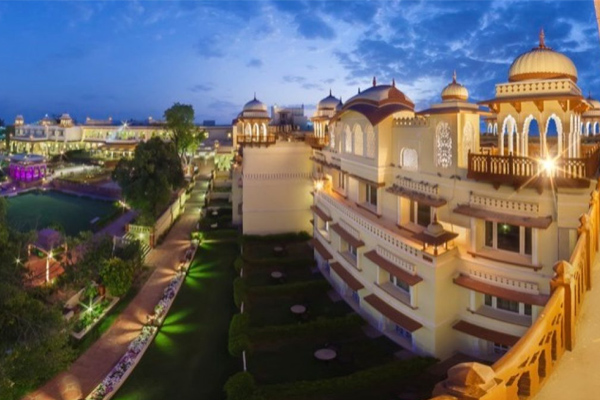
[442,244]
[440,241]
[27,167]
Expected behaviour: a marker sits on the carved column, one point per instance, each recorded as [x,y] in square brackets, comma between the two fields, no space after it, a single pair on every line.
[562,278]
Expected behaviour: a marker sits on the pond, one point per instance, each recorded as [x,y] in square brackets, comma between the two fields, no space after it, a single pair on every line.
[37,210]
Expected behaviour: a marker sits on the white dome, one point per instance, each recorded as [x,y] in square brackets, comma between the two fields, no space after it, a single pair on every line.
[255,105]
[329,103]
[455,91]
[542,63]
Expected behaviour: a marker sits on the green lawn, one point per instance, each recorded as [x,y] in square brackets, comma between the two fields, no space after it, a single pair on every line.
[295,360]
[38,210]
[189,358]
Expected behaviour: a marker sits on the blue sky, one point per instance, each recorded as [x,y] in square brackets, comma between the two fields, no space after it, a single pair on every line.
[133,59]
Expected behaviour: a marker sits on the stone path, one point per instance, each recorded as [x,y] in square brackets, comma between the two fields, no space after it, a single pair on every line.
[576,376]
[91,368]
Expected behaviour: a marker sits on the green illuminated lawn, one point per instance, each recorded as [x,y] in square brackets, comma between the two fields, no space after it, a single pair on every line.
[189,358]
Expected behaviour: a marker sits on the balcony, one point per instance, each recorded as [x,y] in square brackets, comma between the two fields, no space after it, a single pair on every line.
[316,142]
[519,171]
[260,140]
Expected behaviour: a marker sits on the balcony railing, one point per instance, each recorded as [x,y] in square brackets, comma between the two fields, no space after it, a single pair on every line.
[317,142]
[260,140]
[522,171]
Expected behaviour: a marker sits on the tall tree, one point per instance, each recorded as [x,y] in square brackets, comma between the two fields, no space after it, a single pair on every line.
[149,178]
[183,132]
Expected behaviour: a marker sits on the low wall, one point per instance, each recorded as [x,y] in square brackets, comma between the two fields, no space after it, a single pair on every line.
[521,372]
[88,189]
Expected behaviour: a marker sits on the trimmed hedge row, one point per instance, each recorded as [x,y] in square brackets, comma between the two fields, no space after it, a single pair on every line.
[394,372]
[238,335]
[290,288]
[282,237]
[276,261]
[318,327]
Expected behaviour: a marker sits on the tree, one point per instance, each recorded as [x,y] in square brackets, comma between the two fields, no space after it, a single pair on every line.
[117,276]
[183,132]
[149,178]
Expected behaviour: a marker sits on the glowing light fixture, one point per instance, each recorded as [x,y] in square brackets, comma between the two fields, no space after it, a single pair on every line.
[318,185]
[548,165]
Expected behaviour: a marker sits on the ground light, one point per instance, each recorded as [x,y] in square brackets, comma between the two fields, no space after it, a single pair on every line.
[548,165]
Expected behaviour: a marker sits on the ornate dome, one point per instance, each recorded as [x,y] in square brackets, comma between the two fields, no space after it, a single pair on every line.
[542,63]
[255,105]
[328,103]
[595,103]
[455,91]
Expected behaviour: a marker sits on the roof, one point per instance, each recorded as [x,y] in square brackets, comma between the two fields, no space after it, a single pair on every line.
[318,246]
[321,214]
[494,216]
[390,312]
[347,236]
[393,269]
[505,293]
[346,276]
[48,239]
[416,196]
[485,334]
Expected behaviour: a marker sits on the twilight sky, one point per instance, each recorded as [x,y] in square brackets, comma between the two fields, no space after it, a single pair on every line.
[133,59]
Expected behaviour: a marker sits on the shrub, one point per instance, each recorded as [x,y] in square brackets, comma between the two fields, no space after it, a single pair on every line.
[396,371]
[238,335]
[238,264]
[290,289]
[281,237]
[240,386]
[117,276]
[318,327]
[240,291]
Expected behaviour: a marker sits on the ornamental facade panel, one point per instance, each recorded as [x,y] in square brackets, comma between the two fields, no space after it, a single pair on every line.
[443,145]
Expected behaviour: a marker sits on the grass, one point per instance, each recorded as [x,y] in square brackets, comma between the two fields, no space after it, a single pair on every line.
[189,357]
[295,361]
[265,311]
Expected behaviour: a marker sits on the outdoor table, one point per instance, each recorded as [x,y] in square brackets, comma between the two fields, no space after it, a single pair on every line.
[276,275]
[298,309]
[215,213]
[325,354]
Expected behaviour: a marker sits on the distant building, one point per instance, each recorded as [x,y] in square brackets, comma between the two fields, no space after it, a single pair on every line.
[208,122]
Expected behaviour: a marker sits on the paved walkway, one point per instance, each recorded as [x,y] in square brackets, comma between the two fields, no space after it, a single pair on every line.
[117,227]
[576,376]
[91,368]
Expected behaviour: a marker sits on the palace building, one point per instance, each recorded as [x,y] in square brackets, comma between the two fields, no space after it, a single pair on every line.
[441,243]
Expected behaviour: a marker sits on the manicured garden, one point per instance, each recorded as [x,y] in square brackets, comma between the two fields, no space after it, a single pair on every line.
[289,319]
[189,358]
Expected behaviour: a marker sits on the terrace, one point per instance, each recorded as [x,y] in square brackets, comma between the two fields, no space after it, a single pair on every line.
[317,142]
[540,173]
[256,140]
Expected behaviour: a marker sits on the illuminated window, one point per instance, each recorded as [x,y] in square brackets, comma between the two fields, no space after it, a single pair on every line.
[516,239]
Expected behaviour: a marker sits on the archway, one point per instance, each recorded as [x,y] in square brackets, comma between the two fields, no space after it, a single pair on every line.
[347,139]
[358,140]
[468,141]
[531,128]
[509,128]
[264,130]
[595,128]
[588,127]
[552,138]
[371,141]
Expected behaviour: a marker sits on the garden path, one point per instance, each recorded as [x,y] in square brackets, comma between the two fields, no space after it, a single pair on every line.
[93,365]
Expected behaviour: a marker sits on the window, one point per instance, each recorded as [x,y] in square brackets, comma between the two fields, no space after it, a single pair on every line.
[372,195]
[443,145]
[400,284]
[420,214]
[342,181]
[403,333]
[409,159]
[507,305]
[352,251]
[500,349]
[516,239]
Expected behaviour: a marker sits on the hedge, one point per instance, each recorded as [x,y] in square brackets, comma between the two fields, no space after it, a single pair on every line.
[241,386]
[290,288]
[396,371]
[318,327]
[282,237]
[276,261]
[238,335]
[238,264]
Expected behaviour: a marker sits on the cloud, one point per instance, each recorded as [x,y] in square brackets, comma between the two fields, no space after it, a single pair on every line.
[72,53]
[209,47]
[312,86]
[200,88]
[312,26]
[294,79]
[254,63]
[223,105]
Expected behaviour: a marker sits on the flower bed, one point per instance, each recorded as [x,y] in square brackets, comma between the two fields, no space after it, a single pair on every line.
[90,318]
[123,367]
[135,350]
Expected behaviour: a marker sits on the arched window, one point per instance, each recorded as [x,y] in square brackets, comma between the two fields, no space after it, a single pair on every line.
[531,128]
[443,145]
[468,143]
[348,139]
[409,159]
[358,140]
[553,138]
[371,142]
[248,130]
[331,132]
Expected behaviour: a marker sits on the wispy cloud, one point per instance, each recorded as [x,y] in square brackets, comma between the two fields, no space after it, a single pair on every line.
[254,63]
[201,88]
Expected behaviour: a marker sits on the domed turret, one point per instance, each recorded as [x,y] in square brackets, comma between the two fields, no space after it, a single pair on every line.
[455,91]
[328,103]
[255,105]
[594,103]
[542,63]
